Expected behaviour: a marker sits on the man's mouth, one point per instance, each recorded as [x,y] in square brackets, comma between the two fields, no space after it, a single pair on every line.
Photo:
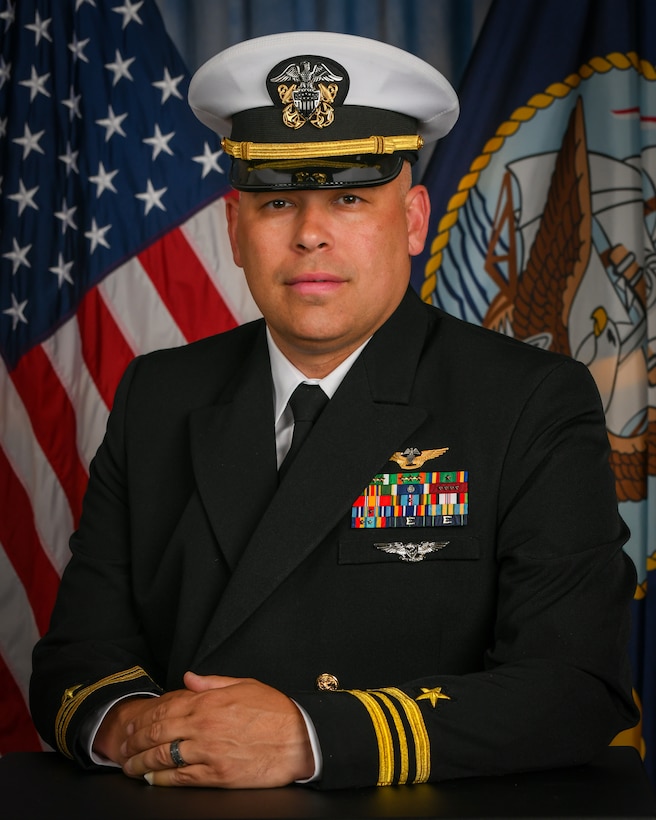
[315,283]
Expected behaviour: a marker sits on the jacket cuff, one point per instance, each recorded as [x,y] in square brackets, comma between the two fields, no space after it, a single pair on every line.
[81,700]
[369,737]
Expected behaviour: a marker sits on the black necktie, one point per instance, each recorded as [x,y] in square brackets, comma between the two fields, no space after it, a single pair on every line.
[307,402]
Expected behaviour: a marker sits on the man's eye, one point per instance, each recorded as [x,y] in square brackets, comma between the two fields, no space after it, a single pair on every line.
[349,199]
[277,204]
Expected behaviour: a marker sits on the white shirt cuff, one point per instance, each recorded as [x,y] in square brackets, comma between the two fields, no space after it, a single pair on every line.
[314,743]
[91,725]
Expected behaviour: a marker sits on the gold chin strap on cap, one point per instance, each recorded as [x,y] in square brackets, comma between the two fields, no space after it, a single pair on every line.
[310,150]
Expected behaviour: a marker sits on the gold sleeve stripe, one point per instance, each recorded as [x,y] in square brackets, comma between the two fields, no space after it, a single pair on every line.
[419,733]
[400,730]
[310,150]
[76,695]
[383,736]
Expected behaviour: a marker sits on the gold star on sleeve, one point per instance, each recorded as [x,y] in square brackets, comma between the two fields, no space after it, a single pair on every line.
[433,695]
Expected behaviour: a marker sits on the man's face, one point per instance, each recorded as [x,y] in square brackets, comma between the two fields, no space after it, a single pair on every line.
[327,268]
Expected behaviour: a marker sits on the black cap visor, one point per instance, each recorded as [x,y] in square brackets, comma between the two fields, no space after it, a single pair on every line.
[360,171]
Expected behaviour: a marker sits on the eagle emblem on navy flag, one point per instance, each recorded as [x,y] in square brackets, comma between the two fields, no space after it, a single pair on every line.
[313,89]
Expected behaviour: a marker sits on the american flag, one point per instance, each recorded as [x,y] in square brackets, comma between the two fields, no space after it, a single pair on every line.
[112,243]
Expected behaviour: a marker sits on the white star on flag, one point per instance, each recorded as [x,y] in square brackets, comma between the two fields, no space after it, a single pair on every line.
[112,123]
[24,197]
[40,28]
[169,86]
[62,270]
[73,103]
[103,179]
[120,67]
[130,12]
[96,236]
[70,159]
[160,142]
[16,311]
[77,46]
[152,198]
[66,216]
[18,256]
[8,15]
[5,71]
[29,141]
[209,160]
[36,84]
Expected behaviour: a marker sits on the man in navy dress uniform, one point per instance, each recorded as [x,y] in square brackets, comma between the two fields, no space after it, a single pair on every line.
[432,585]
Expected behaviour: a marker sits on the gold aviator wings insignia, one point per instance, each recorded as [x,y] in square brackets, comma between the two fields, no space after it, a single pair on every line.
[412,459]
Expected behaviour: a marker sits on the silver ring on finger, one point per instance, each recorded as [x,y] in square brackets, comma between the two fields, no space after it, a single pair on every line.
[176,757]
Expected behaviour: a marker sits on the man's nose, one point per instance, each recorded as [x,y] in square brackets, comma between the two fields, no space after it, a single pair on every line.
[313,230]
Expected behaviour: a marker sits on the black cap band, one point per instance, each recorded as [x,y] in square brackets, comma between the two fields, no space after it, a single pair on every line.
[351,122]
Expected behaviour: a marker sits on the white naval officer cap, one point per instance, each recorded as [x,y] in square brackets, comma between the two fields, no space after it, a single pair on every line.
[315,109]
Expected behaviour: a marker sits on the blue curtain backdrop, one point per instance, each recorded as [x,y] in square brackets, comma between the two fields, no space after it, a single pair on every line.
[440,31]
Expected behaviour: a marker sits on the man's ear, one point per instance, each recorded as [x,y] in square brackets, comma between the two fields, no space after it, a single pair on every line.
[417,214]
[232,216]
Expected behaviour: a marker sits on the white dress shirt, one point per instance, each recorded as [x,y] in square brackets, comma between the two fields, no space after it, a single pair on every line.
[286,378]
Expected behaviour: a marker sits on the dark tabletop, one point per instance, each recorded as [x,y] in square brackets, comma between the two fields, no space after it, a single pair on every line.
[45,785]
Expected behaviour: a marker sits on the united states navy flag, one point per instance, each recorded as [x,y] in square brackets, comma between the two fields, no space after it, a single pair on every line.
[544,228]
[111,244]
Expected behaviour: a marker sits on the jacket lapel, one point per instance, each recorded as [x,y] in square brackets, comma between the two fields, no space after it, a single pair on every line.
[368,417]
[233,452]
